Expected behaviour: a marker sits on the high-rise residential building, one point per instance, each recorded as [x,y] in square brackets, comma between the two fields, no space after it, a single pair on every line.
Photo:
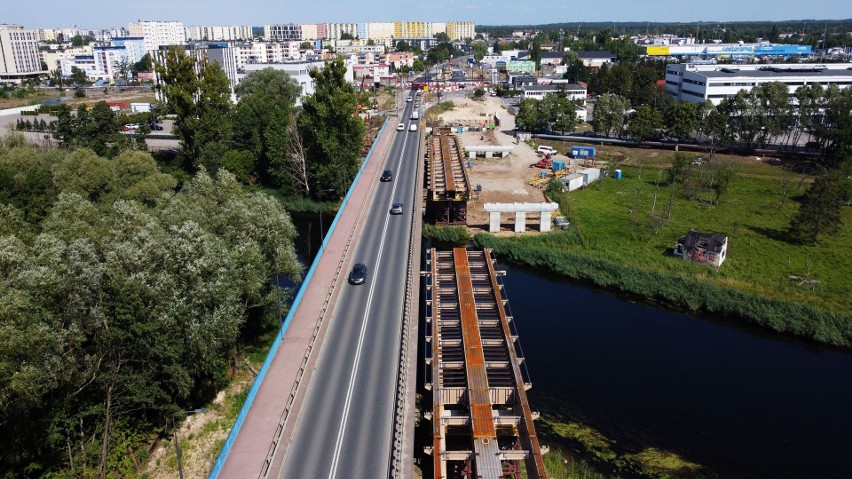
[218,33]
[283,33]
[158,33]
[310,31]
[412,29]
[335,31]
[461,30]
[380,30]
[19,57]
[46,34]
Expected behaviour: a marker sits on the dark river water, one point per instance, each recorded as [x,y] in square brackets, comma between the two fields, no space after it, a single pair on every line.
[738,402]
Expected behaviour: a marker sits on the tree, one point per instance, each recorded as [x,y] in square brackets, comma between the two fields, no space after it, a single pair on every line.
[480,48]
[403,46]
[145,64]
[819,213]
[122,307]
[124,67]
[529,116]
[645,123]
[214,109]
[200,104]
[610,113]
[680,120]
[535,54]
[78,77]
[179,85]
[346,36]
[333,134]
[442,37]
[263,94]
[558,111]
[306,46]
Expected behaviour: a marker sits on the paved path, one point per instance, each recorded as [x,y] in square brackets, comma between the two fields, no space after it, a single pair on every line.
[252,447]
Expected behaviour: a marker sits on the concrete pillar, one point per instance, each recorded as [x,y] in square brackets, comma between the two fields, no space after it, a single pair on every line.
[494,224]
[471,154]
[520,221]
[545,221]
[488,154]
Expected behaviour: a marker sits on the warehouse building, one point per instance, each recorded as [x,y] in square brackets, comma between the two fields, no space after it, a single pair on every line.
[700,82]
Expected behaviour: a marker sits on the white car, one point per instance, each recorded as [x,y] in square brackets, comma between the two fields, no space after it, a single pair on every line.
[548,150]
[131,127]
[413,127]
[408,98]
[400,127]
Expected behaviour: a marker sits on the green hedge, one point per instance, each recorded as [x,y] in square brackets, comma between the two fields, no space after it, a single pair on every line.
[782,316]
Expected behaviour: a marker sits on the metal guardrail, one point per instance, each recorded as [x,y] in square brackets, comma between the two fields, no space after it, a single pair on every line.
[410,313]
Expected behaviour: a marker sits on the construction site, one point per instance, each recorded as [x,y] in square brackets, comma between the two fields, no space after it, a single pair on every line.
[520,176]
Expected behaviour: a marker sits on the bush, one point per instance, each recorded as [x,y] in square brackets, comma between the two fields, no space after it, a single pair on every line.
[79,93]
[457,235]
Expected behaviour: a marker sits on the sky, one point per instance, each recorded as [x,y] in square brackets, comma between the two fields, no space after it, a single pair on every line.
[92,14]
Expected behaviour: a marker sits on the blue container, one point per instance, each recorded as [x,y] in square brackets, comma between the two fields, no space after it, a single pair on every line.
[558,165]
[583,151]
[617,174]
[543,174]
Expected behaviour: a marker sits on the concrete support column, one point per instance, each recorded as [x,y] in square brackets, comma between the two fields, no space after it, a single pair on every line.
[471,154]
[494,224]
[545,221]
[520,221]
[488,154]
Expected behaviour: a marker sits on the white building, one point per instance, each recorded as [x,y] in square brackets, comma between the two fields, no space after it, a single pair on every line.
[19,58]
[379,30]
[218,33]
[698,82]
[574,91]
[299,71]
[283,32]
[310,31]
[158,33]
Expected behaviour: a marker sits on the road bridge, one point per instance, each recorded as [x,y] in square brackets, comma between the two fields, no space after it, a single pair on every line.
[335,397]
[481,420]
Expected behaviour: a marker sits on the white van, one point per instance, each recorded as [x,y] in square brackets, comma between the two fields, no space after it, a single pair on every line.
[415,115]
[548,150]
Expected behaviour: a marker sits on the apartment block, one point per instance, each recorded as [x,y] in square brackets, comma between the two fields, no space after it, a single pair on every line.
[282,33]
[380,30]
[218,33]
[158,33]
[461,30]
[19,58]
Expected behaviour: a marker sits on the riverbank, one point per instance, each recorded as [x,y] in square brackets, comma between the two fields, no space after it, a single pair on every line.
[546,252]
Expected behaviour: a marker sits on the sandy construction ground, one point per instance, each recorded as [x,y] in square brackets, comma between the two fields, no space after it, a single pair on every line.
[503,180]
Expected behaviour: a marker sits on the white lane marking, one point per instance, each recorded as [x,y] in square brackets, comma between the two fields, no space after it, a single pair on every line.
[353,375]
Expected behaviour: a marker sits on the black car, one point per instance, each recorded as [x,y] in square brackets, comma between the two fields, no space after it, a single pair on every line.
[155,127]
[386,175]
[358,274]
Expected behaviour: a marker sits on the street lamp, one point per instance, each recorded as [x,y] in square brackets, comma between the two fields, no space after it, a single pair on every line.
[174,430]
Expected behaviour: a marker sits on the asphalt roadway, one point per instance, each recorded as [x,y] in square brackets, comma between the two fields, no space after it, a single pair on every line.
[344,428]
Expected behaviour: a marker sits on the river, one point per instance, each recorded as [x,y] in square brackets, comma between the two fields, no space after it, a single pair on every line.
[736,401]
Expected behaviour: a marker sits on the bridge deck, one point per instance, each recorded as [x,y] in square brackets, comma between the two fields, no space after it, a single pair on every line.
[482,423]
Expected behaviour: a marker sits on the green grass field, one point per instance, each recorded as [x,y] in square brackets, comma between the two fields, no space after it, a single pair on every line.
[612,220]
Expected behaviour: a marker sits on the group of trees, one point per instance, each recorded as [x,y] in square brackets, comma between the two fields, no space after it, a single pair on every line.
[265,138]
[96,129]
[554,112]
[123,301]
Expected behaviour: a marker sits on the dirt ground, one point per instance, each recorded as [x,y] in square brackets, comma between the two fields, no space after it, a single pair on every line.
[503,180]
